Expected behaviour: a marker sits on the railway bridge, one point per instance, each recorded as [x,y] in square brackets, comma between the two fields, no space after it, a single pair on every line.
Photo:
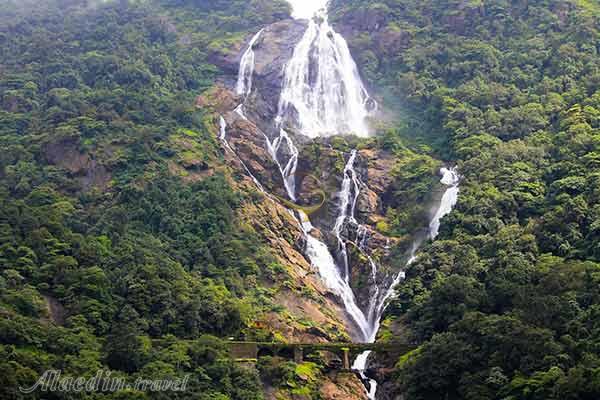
[252,351]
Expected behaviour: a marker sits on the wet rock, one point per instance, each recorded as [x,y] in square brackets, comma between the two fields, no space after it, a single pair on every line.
[382,365]
[249,144]
[275,46]
[368,205]
[379,165]
[272,51]
[343,386]
[310,192]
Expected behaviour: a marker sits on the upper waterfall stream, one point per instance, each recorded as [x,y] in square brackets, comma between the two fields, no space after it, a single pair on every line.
[323,94]
[246,71]
[348,197]
[451,179]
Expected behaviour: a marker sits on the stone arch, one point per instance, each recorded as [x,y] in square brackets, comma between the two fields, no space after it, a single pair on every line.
[265,352]
[286,352]
[330,358]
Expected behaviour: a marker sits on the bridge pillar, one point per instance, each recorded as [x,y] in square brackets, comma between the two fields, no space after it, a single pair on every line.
[298,355]
[346,358]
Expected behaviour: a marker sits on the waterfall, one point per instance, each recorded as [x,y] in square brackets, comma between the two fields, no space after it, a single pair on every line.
[288,172]
[280,146]
[449,178]
[246,71]
[348,197]
[321,258]
[449,199]
[239,110]
[222,128]
[360,364]
[323,94]
[285,155]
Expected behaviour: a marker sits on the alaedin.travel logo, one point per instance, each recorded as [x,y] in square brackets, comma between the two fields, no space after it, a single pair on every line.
[103,381]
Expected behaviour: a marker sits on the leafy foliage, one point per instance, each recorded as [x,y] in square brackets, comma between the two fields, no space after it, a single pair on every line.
[502,303]
[116,229]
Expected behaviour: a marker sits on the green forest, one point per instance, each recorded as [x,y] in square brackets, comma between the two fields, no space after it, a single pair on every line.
[505,305]
[119,231]
[103,250]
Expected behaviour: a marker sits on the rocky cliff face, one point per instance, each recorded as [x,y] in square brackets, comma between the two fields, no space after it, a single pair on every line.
[302,295]
[373,255]
[88,172]
[272,50]
[383,39]
[318,181]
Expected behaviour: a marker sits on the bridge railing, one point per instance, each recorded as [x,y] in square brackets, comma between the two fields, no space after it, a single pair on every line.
[251,351]
[244,351]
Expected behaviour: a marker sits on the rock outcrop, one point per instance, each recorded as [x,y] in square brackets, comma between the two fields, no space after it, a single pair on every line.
[303,296]
[384,40]
[343,386]
[319,178]
[82,166]
[272,50]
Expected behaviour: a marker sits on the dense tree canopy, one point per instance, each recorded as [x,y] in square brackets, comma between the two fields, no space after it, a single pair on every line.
[504,303]
[108,238]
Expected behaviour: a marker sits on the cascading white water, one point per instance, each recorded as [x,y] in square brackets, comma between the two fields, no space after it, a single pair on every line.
[449,178]
[321,258]
[348,196]
[335,102]
[323,94]
[222,128]
[360,365]
[288,173]
[244,87]
[239,110]
[283,146]
[246,71]
[449,199]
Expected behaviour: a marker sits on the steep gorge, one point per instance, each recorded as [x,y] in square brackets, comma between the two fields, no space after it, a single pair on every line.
[280,119]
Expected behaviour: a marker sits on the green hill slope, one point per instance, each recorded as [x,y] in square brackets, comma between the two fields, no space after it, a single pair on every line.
[505,302]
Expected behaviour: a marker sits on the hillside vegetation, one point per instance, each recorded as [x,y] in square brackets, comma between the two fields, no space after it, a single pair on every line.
[505,304]
[117,224]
